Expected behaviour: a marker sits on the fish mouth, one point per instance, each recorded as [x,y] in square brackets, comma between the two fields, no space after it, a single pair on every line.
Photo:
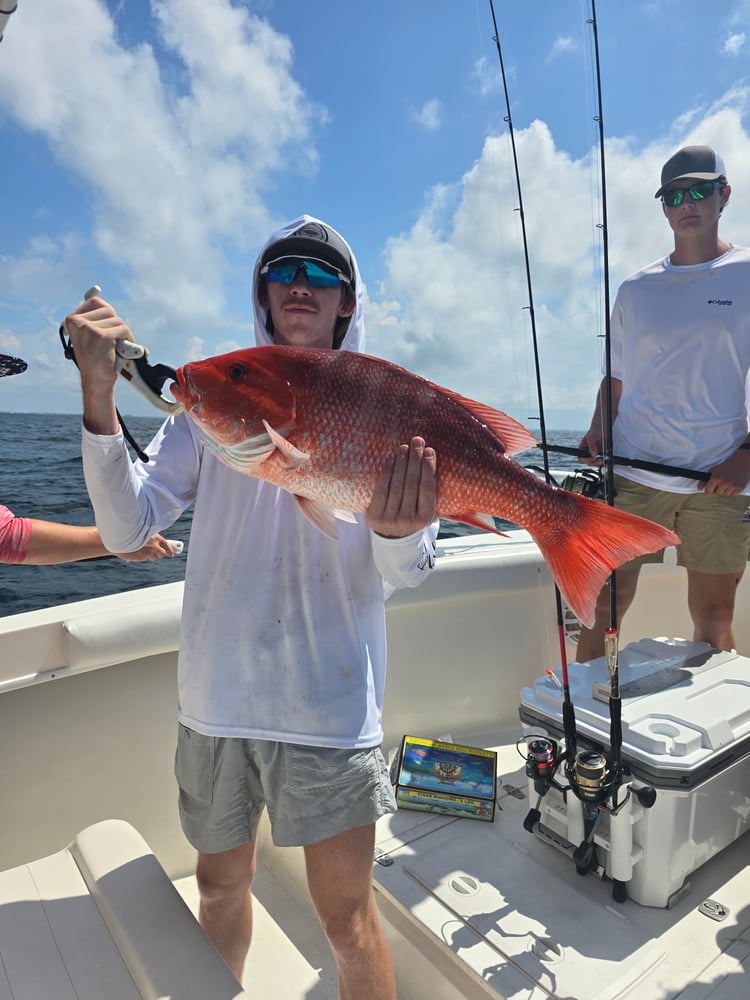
[185,393]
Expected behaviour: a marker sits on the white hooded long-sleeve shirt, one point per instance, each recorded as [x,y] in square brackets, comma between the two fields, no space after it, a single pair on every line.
[283,629]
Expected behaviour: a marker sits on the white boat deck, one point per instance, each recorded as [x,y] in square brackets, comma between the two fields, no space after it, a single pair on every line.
[486,910]
[290,958]
[519,921]
[471,909]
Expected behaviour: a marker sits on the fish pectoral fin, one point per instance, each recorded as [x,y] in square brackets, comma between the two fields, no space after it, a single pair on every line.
[345,515]
[485,522]
[294,457]
[323,517]
[319,515]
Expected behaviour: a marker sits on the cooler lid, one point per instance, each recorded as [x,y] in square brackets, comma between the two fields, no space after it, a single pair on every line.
[683,703]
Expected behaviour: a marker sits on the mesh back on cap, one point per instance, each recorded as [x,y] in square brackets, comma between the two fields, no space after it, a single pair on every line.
[699,162]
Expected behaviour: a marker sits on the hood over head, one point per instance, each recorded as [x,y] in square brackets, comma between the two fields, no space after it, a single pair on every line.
[307,236]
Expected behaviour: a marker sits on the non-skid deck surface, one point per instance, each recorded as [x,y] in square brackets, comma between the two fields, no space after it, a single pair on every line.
[515,915]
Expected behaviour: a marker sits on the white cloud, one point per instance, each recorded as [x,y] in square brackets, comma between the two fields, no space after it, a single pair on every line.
[561,46]
[9,343]
[429,116]
[734,43]
[177,146]
[175,151]
[488,77]
[452,306]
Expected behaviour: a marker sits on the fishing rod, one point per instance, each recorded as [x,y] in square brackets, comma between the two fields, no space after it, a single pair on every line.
[593,777]
[622,864]
[569,723]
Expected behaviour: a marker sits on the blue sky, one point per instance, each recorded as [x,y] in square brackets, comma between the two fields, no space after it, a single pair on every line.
[150,147]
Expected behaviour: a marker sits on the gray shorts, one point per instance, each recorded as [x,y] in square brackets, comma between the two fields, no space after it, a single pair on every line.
[714,530]
[312,793]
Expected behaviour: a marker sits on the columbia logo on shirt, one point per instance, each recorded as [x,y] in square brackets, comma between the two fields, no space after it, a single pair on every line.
[719,302]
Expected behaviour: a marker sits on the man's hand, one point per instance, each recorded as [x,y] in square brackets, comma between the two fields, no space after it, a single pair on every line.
[405,496]
[592,443]
[157,547]
[94,329]
[730,477]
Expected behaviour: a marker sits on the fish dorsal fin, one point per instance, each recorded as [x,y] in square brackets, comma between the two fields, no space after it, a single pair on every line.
[294,457]
[514,436]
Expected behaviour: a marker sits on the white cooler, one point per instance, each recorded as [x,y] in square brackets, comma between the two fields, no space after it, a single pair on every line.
[685,733]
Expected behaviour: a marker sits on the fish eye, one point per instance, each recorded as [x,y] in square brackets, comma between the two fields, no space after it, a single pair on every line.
[238,370]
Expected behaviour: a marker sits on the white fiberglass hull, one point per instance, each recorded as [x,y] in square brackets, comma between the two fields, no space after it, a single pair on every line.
[87,712]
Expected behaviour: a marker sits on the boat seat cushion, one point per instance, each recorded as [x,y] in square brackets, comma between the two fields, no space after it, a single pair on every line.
[102,919]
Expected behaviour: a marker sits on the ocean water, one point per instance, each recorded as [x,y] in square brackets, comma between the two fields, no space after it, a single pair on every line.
[41,476]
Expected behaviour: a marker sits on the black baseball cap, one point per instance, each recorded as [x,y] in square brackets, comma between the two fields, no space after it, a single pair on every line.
[316,242]
[696,162]
[11,366]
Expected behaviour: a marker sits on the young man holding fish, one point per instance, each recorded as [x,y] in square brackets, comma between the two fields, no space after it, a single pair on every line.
[282,655]
[680,359]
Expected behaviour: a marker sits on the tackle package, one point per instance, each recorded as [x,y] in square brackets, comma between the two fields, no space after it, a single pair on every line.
[433,776]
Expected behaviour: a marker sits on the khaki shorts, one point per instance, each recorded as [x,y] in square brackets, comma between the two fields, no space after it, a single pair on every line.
[714,530]
[312,793]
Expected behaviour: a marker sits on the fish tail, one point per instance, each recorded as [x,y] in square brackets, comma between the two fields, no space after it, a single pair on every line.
[588,542]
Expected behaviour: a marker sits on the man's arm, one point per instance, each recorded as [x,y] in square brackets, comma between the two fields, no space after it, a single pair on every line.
[51,543]
[48,543]
[94,329]
[594,440]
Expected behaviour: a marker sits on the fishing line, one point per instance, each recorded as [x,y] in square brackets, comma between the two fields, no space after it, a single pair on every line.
[604,227]
[595,193]
[611,633]
[499,158]
[592,776]
[569,724]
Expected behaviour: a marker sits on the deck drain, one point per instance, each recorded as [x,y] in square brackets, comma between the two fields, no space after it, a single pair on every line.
[465,885]
[713,909]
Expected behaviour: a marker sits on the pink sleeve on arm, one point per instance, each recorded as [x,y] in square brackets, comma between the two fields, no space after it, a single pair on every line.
[15,533]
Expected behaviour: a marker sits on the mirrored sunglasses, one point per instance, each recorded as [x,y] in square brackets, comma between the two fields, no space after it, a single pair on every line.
[697,192]
[318,274]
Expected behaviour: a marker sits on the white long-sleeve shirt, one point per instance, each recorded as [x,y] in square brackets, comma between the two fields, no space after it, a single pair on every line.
[283,629]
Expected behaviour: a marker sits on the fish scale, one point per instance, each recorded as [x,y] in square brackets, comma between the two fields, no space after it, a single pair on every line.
[322,424]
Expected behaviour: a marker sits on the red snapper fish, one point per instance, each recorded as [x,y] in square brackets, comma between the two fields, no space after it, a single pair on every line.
[321,423]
